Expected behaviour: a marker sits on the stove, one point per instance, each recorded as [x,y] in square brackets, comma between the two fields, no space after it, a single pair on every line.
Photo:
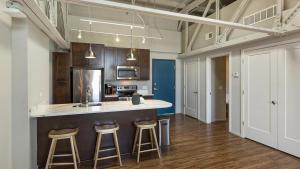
[125,92]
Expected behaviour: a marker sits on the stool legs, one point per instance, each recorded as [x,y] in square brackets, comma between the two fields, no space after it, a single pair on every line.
[139,145]
[50,155]
[97,150]
[76,149]
[73,152]
[156,144]
[135,140]
[138,142]
[117,147]
[98,147]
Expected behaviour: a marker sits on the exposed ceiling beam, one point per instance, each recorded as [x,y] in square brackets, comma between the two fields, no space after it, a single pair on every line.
[193,38]
[217,18]
[173,15]
[235,18]
[292,13]
[189,8]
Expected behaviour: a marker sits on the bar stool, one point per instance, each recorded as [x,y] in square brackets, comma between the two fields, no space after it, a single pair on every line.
[145,125]
[63,134]
[102,130]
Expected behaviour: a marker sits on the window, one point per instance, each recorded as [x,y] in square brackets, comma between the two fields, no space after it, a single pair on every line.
[260,16]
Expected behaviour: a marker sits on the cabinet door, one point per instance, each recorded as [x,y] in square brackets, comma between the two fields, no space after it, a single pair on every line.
[98,50]
[80,49]
[61,77]
[122,57]
[260,96]
[110,64]
[288,103]
[144,64]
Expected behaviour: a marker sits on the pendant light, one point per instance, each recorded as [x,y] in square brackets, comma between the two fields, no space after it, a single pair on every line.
[90,54]
[130,55]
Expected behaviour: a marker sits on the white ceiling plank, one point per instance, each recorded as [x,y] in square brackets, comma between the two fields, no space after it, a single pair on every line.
[173,15]
[235,18]
[193,38]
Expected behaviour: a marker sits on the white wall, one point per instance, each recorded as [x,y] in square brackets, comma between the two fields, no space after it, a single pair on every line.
[5,91]
[30,87]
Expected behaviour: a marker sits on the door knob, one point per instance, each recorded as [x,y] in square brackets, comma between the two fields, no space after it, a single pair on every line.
[274,102]
[195,92]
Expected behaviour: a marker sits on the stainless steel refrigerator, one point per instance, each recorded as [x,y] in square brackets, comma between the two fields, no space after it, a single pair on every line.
[88,84]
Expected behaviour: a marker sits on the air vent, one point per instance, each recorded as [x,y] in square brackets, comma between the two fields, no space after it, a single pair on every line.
[260,16]
[209,36]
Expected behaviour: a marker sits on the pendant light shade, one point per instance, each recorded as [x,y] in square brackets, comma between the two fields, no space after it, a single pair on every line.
[90,54]
[130,55]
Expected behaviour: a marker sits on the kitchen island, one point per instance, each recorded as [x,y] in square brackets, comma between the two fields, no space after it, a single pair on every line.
[62,116]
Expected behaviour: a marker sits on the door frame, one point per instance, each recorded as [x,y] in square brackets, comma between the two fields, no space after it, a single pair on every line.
[208,87]
[175,78]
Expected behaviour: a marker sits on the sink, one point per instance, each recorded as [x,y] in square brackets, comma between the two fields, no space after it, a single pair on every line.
[87,105]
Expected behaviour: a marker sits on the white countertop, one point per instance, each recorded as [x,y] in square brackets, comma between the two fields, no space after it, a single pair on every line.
[115,95]
[113,106]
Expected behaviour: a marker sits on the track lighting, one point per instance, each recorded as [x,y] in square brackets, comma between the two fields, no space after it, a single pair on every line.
[117,38]
[79,36]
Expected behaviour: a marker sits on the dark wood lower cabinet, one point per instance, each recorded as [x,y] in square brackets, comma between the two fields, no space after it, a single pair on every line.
[86,138]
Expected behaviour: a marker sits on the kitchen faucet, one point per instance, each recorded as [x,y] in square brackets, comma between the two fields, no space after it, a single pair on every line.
[88,93]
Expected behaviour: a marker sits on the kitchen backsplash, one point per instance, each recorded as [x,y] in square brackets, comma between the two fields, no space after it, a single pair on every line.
[142,85]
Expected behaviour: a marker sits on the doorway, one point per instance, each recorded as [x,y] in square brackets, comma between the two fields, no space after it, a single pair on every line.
[218,89]
[163,83]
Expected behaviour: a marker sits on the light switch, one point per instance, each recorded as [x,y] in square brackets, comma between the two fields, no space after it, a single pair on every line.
[235,74]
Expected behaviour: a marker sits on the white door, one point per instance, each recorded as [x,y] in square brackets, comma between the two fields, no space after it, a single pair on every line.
[260,96]
[289,100]
[191,88]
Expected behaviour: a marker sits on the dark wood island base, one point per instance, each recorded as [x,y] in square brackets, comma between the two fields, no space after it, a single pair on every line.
[86,138]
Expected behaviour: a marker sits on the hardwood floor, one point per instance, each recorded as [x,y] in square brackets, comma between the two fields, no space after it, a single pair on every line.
[200,146]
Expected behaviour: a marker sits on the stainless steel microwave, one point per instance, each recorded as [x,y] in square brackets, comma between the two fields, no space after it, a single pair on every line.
[128,73]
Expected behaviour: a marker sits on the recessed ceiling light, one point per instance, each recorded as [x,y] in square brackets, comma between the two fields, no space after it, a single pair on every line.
[79,36]
[117,38]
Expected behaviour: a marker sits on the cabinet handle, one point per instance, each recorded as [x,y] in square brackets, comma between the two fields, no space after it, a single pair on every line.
[155,89]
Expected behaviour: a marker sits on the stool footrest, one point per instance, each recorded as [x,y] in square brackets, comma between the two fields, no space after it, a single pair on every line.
[109,157]
[61,164]
[62,155]
[144,151]
[143,144]
[108,149]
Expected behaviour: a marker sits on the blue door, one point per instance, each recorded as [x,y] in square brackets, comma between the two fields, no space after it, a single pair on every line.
[163,83]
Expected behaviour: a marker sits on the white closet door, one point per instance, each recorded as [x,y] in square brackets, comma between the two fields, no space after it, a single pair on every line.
[289,100]
[260,87]
[191,73]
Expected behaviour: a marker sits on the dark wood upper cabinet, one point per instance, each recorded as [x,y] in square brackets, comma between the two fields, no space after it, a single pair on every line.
[78,54]
[62,63]
[144,63]
[110,64]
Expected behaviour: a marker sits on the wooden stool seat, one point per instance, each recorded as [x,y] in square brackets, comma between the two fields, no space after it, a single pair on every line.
[64,133]
[102,130]
[145,125]
[57,135]
[107,128]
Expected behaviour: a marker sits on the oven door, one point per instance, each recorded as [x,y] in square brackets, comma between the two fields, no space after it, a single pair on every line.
[128,73]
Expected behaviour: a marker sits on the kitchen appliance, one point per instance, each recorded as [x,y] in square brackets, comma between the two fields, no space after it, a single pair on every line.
[136,99]
[110,89]
[87,85]
[128,73]
[125,92]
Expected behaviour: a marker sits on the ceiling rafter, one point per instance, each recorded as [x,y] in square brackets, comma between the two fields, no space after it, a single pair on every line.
[174,15]
[235,18]
[199,26]
[189,8]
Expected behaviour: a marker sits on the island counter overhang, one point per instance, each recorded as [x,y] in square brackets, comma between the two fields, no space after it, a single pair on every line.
[63,116]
